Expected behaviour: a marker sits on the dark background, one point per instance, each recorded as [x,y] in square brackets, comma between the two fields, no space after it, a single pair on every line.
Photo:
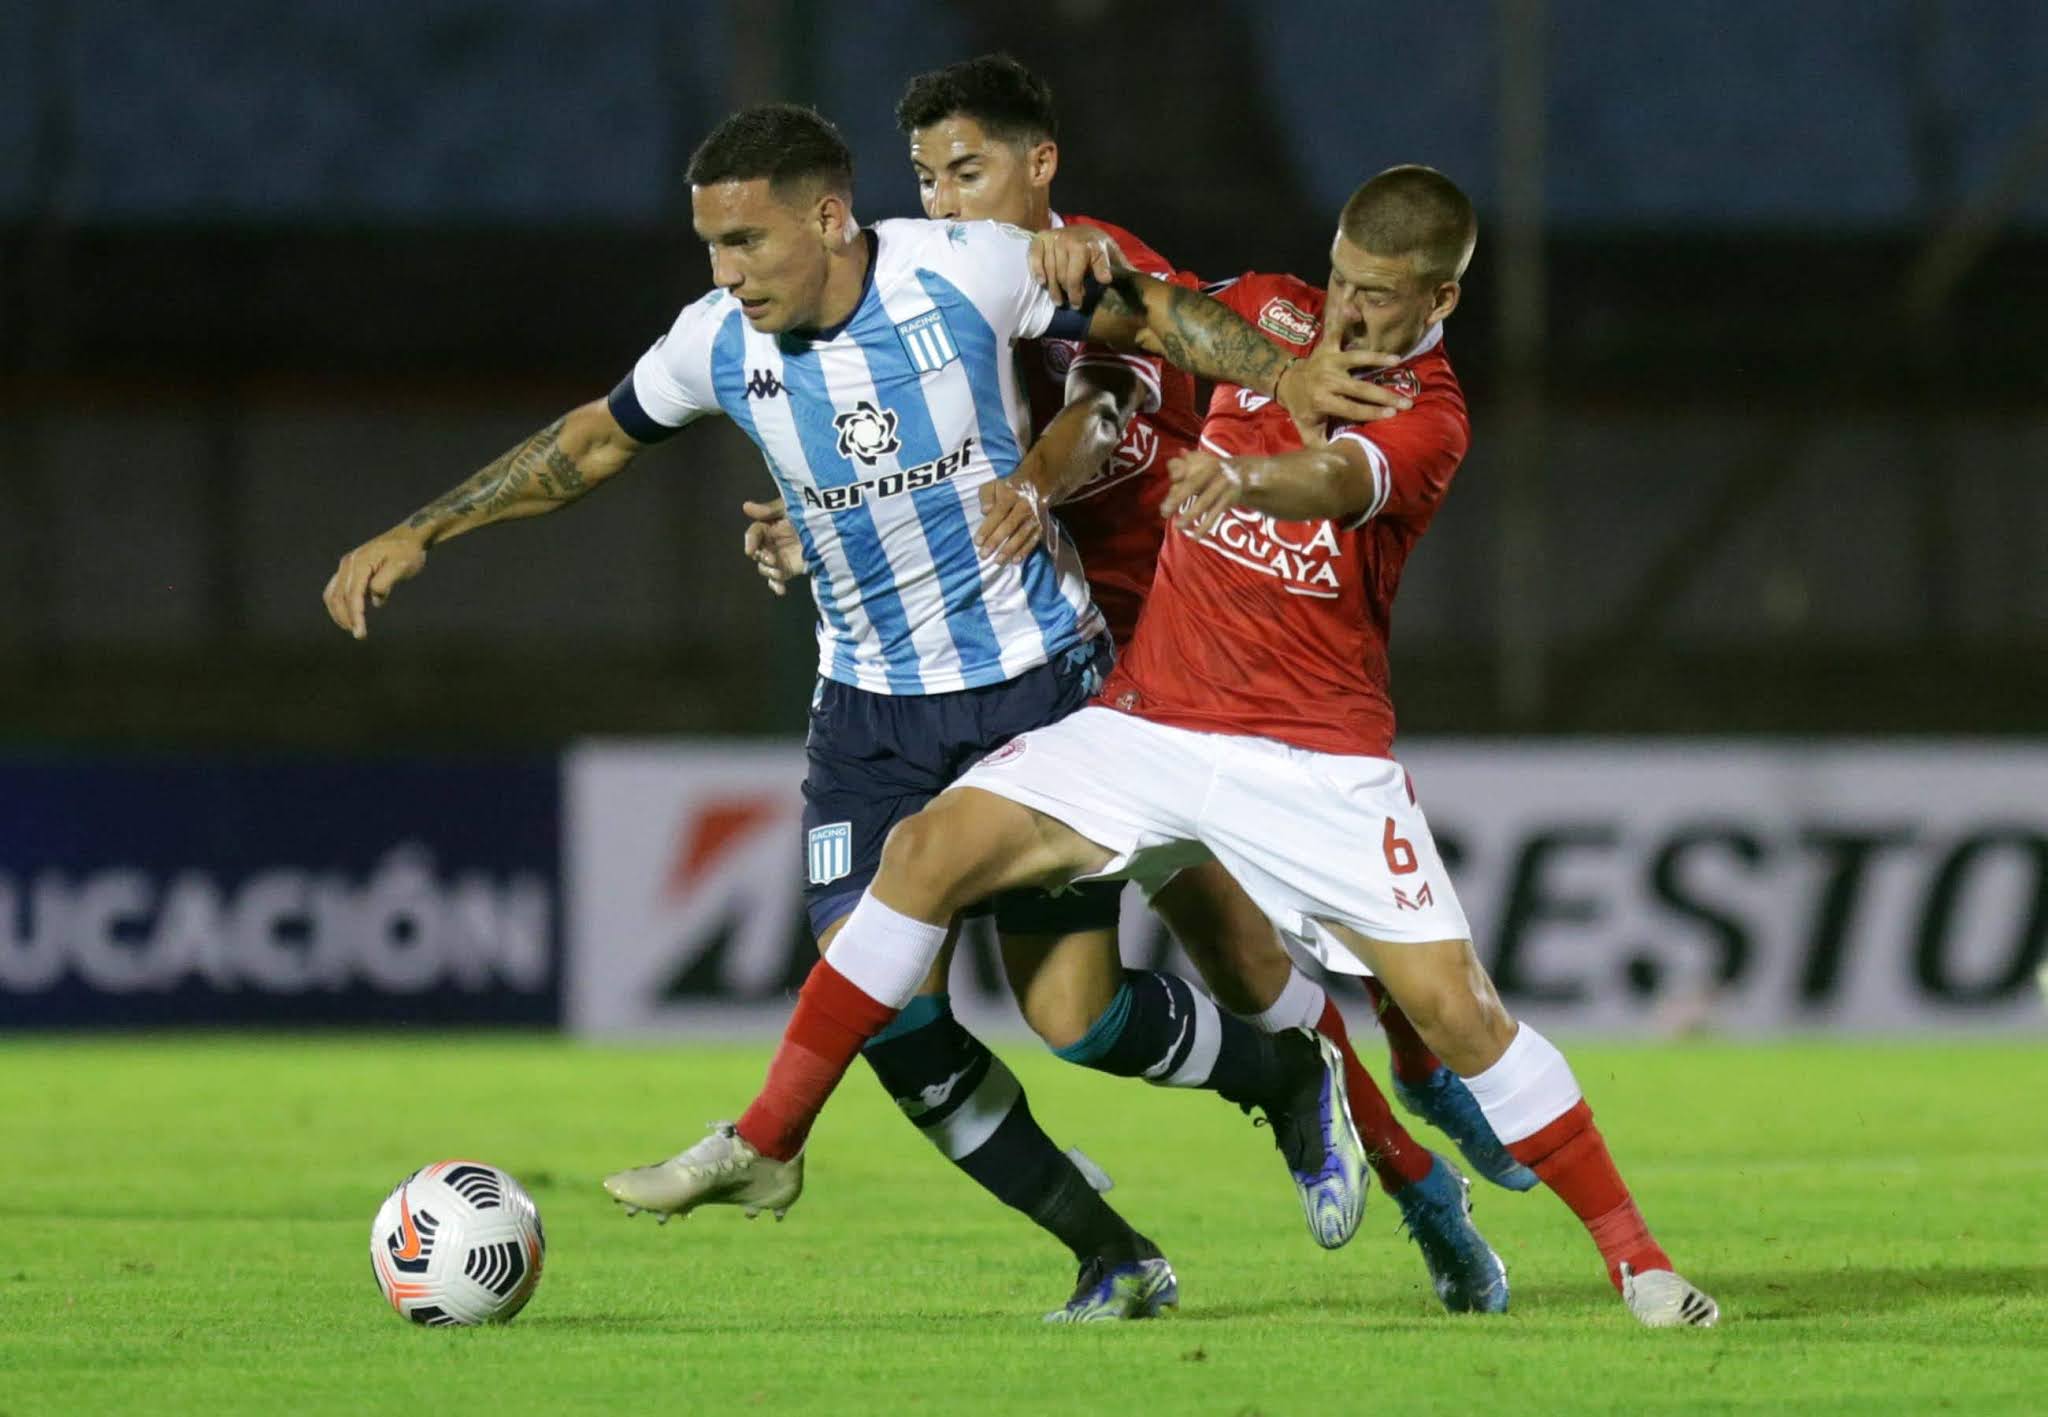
[1754,339]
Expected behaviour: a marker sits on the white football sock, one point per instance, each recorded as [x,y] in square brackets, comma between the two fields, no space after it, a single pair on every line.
[1528,1087]
[885,953]
[1300,1005]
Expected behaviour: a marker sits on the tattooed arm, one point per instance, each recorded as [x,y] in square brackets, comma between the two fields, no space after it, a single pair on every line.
[556,465]
[553,467]
[1211,341]
[1198,334]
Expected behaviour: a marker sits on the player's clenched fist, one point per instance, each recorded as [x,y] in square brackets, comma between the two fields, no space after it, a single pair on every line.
[773,545]
[367,574]
[1203,488]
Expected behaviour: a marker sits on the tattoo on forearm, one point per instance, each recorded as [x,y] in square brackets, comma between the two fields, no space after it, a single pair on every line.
[538,464]
[1209,339]
[560,478]
[1123,301]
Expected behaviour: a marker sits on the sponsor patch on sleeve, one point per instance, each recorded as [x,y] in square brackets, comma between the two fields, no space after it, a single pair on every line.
[1290,322]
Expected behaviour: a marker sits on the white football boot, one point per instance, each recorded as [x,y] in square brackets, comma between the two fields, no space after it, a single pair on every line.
[719,1170]
[1661,1298]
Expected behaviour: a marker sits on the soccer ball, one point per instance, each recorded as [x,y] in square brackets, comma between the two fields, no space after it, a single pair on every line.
[457,1242]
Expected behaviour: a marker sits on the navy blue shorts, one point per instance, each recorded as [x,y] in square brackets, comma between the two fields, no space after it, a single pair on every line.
[875,759]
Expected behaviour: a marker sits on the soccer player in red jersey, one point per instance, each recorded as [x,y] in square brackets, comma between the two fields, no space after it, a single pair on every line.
[1251,724]
[983,144]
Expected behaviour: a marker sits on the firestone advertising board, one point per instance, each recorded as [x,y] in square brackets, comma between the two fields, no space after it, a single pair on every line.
[1614,887]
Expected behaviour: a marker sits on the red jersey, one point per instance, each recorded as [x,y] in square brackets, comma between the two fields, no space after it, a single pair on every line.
[1114,518]
[1279,629]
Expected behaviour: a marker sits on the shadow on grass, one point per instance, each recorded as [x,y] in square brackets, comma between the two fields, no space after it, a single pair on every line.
[1307,1308]
[1773,1294]
[1746,1296]
[907,1325]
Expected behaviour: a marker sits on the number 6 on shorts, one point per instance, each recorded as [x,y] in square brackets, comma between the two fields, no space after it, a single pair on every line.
[1400,852]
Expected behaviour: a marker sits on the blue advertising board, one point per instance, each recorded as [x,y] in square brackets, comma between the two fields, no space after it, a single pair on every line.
[279,891]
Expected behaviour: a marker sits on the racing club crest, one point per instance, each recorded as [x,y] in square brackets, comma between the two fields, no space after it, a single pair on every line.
[867,433]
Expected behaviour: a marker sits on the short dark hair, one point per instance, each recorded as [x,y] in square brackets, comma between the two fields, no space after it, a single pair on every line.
[783,142]
[1413,209]
[1010,102]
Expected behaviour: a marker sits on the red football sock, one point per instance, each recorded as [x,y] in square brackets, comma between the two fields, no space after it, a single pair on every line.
[1397,1158]
[1413,1062]
[1571,1157]
[833,1019]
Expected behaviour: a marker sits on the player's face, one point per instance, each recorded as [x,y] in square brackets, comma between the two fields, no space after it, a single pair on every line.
[771,252]
[1382,304]
[965,175]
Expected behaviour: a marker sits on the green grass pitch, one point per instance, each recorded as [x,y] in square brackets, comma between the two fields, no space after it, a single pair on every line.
[184,1224]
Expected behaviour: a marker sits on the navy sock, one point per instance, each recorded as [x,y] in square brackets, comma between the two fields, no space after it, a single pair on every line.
[972,1109]
[1161,1028]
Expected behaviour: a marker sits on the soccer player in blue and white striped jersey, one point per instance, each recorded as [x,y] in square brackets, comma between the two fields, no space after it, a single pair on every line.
[881,430]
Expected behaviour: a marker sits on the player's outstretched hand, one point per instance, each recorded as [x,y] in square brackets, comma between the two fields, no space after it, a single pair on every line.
[365,578]
[1013,520]
[772,544]
[1063,258]
[1326,385]
[1203,488]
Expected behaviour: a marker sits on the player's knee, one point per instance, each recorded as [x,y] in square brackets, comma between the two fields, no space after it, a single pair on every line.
[934,859]
[915,863]
[1060,1022]
[1466,1027]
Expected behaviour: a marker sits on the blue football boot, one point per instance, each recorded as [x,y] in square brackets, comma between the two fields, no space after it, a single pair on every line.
[1463,1269]
[1108,1291]
[1448,1105]
[1313,1128]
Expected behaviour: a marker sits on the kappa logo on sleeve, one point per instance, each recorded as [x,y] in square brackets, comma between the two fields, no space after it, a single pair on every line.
[1290,322]
[956,232]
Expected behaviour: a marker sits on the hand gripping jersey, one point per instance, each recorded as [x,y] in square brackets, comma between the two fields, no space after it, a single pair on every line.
[1279,629]
[1114,519]
[880,434]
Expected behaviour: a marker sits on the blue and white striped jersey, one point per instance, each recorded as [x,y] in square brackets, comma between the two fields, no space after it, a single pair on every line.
[880,435]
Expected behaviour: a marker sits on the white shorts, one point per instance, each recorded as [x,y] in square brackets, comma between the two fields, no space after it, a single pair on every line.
[1312,837]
